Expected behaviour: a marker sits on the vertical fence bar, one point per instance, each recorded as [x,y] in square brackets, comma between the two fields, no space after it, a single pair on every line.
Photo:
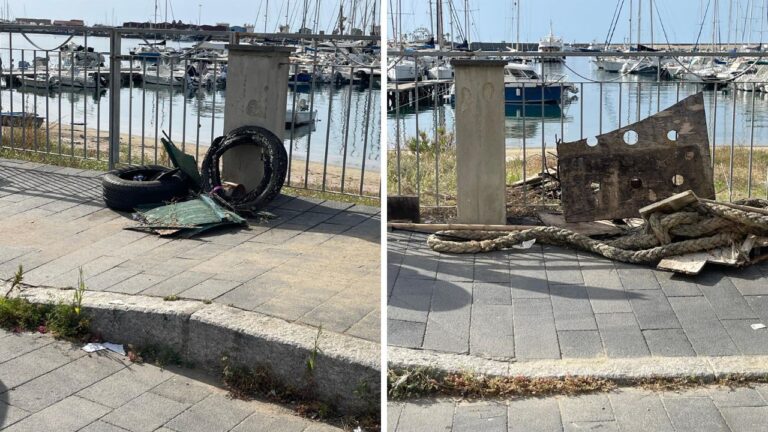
[416,117]
[368,114]
[714,127]
[10,79]
[620,102]
[171,84]
[347,128]
[435,109]
[733,147]
[581,112]
[293,121]
[600,103]
[184,106]
[48,92]
[639,96]
[34,97]
[751,143]
[61,95]
[397,133]
[328,130]
[130,111]
[158,88]
[72,105]
[114,98]
[85,97]
[213,101]
[312,89]
[143,106]
[98,111]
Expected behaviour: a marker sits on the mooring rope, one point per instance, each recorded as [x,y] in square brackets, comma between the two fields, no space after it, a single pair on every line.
[700,227]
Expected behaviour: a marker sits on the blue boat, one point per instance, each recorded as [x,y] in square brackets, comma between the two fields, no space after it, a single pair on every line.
[523,85]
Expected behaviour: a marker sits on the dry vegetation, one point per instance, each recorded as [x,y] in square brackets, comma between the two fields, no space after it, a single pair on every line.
[432,172]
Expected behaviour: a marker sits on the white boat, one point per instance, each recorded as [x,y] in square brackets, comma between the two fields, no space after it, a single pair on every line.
[441,72]
[551,43]
[79,79]
[80,56]
[301,116]
[39,81]
[609,64]
[403,70]
[164,76]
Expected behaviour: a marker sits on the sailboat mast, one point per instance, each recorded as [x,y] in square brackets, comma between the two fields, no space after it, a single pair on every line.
[517,25]
[266,14]
[439,18]
[431,20]
[650,10]
[466,21]
[639,20]
[631,11]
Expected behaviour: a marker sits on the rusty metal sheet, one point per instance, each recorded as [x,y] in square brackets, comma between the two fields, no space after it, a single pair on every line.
[637,164]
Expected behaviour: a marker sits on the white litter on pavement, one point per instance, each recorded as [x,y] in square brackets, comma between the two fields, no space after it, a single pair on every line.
[757,326]
[525,245]
[93,347]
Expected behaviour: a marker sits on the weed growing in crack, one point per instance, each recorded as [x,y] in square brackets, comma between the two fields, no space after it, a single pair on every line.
[18,278]
[63,320]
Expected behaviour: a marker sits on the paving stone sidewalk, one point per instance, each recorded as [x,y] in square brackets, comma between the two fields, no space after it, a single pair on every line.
[48,385]
[549,303]
[317,264]
[628,410]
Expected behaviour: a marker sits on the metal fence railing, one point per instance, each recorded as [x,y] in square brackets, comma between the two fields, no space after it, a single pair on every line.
[595,97]
[106,96]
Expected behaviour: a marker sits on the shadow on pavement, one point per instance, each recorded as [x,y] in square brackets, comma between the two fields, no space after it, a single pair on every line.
[3,406]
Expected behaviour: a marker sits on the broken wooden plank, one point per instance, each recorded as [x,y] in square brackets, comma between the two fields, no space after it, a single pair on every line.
[669,205]
[597,228]
[690,264]
[457,227]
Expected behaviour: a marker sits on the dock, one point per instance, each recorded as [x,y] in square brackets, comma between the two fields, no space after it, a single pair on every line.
[405,93]
[12,78]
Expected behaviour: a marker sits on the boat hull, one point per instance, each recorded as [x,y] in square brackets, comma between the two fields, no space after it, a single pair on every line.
[516,94]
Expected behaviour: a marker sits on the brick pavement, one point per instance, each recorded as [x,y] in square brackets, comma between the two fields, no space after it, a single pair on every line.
[551,303]
[317,264]
[48,385]
[701,409]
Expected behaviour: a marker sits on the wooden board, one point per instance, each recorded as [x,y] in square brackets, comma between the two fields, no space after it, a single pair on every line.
[614,179]
[586,228]
[690,264]
[669,205]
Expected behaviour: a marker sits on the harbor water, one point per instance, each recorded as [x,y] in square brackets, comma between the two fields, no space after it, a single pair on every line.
[194,116]
[604,102]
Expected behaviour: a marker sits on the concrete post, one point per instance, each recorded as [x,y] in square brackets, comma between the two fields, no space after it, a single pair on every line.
[480,149]
[257,93]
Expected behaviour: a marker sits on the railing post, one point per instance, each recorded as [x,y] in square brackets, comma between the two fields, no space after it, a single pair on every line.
[480,148]
[114,97]
[257,93]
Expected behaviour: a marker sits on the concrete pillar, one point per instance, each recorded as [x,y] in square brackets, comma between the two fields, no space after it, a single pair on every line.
[480,149]
[257,92]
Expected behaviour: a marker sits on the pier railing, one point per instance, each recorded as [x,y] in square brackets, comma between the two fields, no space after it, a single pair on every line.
[421,148]
[105,104]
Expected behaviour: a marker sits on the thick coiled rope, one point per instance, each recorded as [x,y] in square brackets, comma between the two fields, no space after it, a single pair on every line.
[700,227]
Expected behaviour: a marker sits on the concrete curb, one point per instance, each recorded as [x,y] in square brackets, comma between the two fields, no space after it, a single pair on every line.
[615,369]
[203,333]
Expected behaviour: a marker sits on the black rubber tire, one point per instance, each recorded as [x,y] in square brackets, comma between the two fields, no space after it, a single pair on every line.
[120,192]
[275,160]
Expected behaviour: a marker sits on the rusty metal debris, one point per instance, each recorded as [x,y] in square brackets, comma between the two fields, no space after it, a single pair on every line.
[637,165]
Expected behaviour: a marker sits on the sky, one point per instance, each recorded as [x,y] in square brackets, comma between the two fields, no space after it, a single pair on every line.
[587,20]
[234,12]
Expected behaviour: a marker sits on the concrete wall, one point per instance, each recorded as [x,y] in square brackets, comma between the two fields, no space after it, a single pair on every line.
[480,151]
[257,91]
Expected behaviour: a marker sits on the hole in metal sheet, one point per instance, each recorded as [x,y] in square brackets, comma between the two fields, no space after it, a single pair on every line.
[636,183]
[672,135]
[630,137]
[592,141]
[678,180]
